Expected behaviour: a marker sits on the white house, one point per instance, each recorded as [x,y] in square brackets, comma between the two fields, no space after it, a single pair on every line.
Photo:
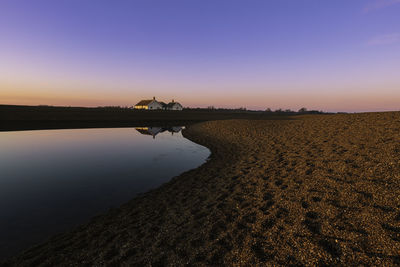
[174,106]
[149,104]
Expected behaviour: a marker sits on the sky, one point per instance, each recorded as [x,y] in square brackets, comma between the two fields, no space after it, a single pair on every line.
[327,55]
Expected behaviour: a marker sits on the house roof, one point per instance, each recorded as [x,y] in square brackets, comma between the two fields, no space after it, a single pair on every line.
[144,102]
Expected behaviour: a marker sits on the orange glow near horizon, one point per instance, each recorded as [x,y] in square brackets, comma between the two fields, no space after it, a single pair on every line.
[351,101]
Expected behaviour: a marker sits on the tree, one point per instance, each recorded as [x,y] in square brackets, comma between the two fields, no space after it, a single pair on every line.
[302,110]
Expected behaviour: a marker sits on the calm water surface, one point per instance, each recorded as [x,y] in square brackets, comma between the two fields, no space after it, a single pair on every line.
[52,180]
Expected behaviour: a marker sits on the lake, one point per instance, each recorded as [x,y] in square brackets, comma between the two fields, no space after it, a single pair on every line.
[53,180]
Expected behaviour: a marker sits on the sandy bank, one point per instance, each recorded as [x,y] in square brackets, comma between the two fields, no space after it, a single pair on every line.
[315,190]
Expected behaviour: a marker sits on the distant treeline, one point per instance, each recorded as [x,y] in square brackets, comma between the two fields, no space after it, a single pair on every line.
[301,111]
[208,109]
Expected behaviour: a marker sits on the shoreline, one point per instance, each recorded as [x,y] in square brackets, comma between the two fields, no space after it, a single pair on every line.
[316,190]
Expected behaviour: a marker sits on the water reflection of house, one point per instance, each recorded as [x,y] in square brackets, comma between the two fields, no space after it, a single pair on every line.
[149,130]
[175,129]
[156,130]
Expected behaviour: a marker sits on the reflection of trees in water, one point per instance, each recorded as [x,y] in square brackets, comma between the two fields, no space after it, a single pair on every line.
[153,131]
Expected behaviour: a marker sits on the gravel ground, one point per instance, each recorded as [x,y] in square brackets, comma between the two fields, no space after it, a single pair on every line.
[316,190]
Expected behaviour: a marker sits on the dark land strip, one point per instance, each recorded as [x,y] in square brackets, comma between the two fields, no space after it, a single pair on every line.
[13,118]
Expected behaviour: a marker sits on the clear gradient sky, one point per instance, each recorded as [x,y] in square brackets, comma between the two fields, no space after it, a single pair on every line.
[331,55]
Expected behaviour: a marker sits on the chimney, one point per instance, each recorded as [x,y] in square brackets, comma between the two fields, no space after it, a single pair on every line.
[172,101]
[154,98]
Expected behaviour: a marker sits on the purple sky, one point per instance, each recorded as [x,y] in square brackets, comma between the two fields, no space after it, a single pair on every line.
[329,55]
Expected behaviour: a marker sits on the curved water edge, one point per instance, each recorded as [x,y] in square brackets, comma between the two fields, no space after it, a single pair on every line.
[54,180]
